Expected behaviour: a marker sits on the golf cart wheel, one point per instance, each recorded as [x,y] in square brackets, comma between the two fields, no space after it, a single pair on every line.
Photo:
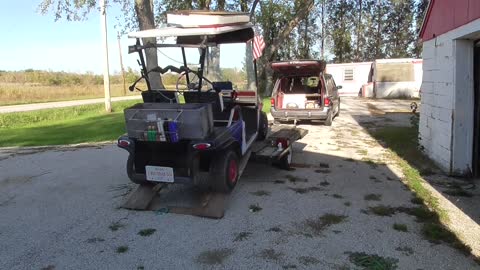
[225,171]
[285,162]
[262,127]
[328,121]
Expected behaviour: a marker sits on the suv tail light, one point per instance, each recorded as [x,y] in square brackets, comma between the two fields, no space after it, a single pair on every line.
[327,102]
[272,102]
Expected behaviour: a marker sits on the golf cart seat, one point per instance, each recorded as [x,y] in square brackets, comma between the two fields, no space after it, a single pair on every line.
[159,96]
[220,117]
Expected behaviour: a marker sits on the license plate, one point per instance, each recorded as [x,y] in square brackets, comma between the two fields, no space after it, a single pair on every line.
[159,174]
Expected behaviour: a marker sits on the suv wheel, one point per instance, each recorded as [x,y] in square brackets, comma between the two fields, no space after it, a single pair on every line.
[328,121]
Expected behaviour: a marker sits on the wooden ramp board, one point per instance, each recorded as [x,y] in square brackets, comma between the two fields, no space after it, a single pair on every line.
[177,199]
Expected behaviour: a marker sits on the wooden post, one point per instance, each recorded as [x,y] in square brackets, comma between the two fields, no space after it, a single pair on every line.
[121,65]
[106,73]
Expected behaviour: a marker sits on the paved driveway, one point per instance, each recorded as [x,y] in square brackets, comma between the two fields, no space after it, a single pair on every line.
[59,209]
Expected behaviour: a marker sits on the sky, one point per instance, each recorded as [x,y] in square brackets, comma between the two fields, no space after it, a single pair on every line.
[32,40]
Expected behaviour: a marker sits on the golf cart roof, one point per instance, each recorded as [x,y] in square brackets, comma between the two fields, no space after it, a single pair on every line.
[192,27]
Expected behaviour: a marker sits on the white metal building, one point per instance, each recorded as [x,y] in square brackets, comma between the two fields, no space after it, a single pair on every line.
[351,76]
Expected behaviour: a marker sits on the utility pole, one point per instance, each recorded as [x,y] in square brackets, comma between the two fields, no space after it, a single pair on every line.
[106,73]
[121,65]
[323,30]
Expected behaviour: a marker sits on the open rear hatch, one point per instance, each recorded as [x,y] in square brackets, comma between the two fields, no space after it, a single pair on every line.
[299,85]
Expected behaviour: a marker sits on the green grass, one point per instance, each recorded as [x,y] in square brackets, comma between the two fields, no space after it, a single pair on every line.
[402,142]
[403,145]
[266,104]
[71,125]
[372,261]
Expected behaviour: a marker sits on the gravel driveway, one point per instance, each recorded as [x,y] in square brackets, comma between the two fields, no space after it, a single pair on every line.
[59,209]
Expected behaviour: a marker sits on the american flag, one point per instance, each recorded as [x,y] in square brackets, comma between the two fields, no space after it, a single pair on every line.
[258,46]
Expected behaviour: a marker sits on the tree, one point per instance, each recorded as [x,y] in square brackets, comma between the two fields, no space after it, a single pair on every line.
[420,9]
[340,18]
[399,28]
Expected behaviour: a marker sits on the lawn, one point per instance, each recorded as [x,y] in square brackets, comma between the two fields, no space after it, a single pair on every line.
[71,125]
[88,123]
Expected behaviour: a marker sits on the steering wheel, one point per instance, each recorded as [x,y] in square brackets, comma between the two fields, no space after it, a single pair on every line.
[194,79]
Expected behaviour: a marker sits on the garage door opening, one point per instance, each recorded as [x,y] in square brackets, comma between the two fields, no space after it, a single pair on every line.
[476,85]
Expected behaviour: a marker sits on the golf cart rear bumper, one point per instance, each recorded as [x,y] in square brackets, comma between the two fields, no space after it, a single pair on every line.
[318,114]
[140,177]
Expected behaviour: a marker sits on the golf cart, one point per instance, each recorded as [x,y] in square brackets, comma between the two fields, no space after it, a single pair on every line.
[201,131]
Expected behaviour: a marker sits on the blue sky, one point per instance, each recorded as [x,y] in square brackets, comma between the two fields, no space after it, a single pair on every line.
[32,40]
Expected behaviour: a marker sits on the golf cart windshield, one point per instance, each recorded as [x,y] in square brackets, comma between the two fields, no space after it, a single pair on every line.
[199,58]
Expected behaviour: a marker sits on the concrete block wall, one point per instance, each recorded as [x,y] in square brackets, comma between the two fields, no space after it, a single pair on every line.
[446,114]
[437,91]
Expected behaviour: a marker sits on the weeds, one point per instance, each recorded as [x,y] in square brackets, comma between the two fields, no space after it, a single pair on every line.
[122,249]
[115,226]
[271,254]
[400,227]
[308,260]
[372,197]
[216,256]
[242,236]
[260,193]
[405,250]
[305,190]
[147,232]
[274,229]
[337,196]
[372,261]
[255,208]
[323,222]
[295,179]
[324,183]
[323,171]
[382,210]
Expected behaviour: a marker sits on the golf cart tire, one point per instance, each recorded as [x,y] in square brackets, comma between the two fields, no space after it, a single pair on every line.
[329,120]
[224,171]
[130,170]
[263,127]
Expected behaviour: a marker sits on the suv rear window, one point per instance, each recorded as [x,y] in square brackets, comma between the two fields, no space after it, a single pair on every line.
[300,85]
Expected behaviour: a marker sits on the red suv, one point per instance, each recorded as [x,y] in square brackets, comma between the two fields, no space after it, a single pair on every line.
[304,92]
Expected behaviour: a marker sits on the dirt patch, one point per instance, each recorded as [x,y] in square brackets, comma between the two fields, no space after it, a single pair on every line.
[214,256]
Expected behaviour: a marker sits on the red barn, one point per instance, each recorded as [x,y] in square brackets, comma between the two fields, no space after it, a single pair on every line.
[450,112]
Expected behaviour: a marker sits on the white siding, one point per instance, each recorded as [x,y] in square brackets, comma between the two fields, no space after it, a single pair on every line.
[446,114]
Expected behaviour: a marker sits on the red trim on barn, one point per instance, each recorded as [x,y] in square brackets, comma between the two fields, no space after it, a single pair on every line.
[445,15]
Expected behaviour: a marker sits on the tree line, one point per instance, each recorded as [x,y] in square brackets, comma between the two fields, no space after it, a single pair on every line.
[335,30]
